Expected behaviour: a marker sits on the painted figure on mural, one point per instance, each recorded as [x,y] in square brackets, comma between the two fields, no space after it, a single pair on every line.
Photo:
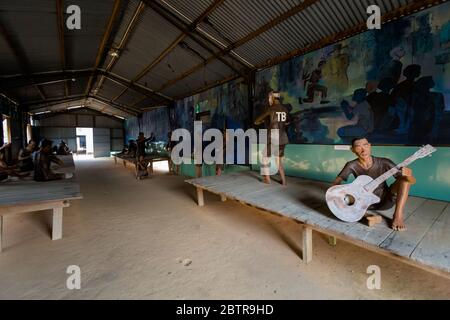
[388,63]
[261,93]
[422,37]
[427,108]
[360,109]
[393,69]
[402,95]
[295,131]
[335,69]
[314,80]
[237,106]
[311,128]
[381,103]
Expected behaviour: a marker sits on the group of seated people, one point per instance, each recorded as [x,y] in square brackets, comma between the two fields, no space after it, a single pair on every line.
[136,148]
[35,160]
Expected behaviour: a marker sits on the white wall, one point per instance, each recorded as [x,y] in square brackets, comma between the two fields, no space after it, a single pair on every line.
[88,132]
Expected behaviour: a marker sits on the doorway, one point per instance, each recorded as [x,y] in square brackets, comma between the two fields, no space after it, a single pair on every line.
[6,124]
[85,143]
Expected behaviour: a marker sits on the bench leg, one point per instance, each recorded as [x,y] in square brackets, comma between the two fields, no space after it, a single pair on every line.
[332,241]
[223,198]
[198,171]
[200,201]
[151,166]
[57,223]
[115,160]
[1,232]
[124,164]
[307,244]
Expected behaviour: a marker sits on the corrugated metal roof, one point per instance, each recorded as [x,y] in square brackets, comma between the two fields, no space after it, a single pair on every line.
[215,71]
[110,89]
[127,17]
[8,63]
[310,26]
[34,30]
[151,36]
[228,23]
[55,90]
[79,86]
[25,94]
[190,10]
[130,98]
[82,45]
[175,63]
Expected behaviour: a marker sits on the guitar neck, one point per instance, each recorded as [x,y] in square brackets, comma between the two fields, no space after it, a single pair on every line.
[376,182]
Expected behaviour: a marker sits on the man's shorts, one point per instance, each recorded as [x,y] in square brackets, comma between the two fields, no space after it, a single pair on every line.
[281,148]
[388,200]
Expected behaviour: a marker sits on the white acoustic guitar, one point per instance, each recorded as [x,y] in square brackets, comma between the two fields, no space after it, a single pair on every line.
[349,202]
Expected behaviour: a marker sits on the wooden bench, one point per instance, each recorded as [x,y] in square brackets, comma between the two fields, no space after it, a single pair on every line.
[27,195]
[426,243]
[148,159]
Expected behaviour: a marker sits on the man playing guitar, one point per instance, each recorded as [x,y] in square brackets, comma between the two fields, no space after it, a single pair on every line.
[366,164]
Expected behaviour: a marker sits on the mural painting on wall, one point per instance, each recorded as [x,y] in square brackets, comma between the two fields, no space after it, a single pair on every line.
[392,85]
[220,107]
[154,121]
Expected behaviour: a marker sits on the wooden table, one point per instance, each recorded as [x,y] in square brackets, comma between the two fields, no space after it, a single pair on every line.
[27,195]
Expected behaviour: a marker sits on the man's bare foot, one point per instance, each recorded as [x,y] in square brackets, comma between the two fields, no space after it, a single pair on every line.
[398,225]
[266,180]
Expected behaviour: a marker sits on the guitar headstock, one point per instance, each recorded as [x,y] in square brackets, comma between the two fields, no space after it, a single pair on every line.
[424,152]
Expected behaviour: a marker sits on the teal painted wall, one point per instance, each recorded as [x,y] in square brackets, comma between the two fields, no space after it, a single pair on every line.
[188,170]
[323,162]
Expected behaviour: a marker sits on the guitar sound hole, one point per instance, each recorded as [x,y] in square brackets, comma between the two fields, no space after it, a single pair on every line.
[349,200]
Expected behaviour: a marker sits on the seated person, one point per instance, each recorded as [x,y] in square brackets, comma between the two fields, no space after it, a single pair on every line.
[132,149]
[358,109]
[25,157]
[7,170]
[366,164]
[63,149]
[42,160]
[124,150]
[140,151]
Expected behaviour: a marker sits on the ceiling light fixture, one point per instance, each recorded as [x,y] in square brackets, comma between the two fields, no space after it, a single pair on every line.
[113,52]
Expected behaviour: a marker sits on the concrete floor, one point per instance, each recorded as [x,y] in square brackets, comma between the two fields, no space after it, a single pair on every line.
[130,239]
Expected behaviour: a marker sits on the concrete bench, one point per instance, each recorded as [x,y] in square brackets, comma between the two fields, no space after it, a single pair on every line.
[426,243]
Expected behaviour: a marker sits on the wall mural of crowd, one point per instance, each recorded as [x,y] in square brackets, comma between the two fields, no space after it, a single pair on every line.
[392,85]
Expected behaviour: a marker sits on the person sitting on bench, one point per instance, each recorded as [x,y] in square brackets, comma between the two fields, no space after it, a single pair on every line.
[366,164]
[7,170]
[140,151]
[42,160]
[63,149]
[26,157]
[132,149]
